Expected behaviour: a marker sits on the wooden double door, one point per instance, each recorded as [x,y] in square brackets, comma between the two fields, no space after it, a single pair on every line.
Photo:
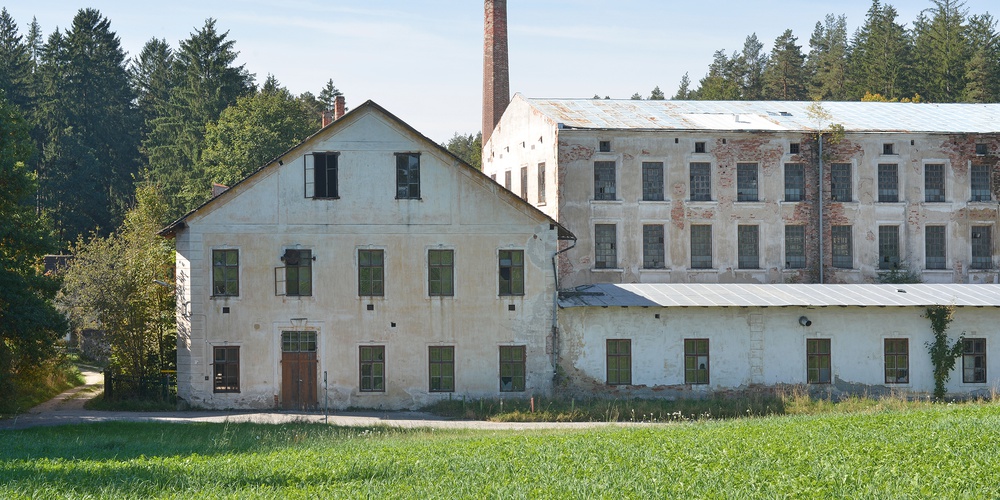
[299,379]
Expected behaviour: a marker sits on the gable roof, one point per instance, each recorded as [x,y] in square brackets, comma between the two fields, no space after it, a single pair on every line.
[179,224]
[774,116]
[778,295]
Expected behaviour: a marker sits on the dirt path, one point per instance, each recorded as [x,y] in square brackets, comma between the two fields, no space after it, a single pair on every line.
[67,409]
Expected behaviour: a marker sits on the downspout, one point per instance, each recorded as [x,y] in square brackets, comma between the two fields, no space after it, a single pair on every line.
[821,262]
[555,307]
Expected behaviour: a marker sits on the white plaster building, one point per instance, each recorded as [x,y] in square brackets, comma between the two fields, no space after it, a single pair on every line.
[705,192]
[684,340]
[369,265]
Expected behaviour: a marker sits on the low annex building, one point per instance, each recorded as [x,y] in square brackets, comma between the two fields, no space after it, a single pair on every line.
[743,192]
[369,266]
[689,340]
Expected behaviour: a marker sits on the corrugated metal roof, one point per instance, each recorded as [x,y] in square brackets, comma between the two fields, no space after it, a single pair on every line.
[769,115]
[781,295]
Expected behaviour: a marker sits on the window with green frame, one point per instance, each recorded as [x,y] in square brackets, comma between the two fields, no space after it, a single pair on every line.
[372,369]
[695,361]
[442,368]
[511,272]
[441,273]
[818,361]
[371,273]
[512,368]
[619,361]
[225,273]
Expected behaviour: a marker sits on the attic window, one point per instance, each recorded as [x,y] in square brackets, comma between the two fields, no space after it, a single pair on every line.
[888,148]
[321,175]
[699,147]
[604,146]
[981,149]
[793,148]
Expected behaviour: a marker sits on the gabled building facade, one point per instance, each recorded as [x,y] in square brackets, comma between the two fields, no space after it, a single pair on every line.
[740,192]
[367,267]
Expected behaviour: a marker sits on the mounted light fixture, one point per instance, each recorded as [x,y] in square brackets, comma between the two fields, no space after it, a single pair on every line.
[804,321]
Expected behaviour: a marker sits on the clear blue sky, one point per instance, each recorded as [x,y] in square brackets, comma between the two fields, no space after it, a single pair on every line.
[422,59]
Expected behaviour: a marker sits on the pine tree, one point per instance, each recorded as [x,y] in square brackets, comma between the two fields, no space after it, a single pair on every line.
[683,89]
[656,94]
[15,64]
[328,96]
[151,76]
[90,127]
[784,77]
[721,83]
[749,66]
[880,56]
[636,97]
[982,70]
[941,51]
[826,65]
[205,83]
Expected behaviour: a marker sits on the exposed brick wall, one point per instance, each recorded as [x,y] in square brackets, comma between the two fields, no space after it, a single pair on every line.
[496,79]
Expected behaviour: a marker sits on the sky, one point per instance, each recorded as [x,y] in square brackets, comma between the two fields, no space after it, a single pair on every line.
[422,59]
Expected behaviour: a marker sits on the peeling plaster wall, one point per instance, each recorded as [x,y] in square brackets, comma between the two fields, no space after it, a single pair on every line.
[458,209]
[578,149]
[761,347]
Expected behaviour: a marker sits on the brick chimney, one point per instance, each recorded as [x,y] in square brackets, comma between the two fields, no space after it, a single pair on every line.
[339,107]
[496,76]
[327,117]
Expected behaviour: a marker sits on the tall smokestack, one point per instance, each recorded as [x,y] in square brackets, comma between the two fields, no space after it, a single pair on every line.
[496,77]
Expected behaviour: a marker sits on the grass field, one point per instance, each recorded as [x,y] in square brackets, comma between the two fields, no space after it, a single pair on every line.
[950,451]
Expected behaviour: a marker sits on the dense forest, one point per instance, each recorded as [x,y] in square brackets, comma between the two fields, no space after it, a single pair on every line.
[945,55]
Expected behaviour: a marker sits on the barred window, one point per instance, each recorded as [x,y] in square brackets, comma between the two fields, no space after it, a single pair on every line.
[652,181]
[840,182]
[748,243]
[795,247]
[980,183]
[934,182]
[746,182]
[701,246]
[888,247]
[982,247]
[652,246]
[795,182]
[701,181]
[934,247]
[604,180]
[818,361]
[619,352]
[888,182]
[606,255]
[843,247]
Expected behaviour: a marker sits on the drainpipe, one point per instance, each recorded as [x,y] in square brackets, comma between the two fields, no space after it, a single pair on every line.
[821,207]
[555,306]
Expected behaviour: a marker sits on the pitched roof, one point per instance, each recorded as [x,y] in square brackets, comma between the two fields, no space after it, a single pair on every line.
[790,116]
[778,295]
[179,224]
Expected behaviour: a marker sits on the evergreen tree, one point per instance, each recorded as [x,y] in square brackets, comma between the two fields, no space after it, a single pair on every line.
[784,76]
[251,133]
[982,70]
[636,97]
[826,65]
[205,83]
[656,94]
[749,66]
[941,51]
[880,57]
[328,95]
[29,324]
[721,83]
[683,89]
[15,64]
[90,127]
[151,76]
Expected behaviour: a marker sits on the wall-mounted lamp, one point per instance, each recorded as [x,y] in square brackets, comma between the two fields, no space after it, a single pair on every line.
[804,321]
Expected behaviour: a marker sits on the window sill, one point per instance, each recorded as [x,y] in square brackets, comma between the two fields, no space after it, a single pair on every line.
[223,297]
[409,199]
[750,202]
[788,202]
[655,270]
[607,202]
[607,269]
[705,202]
[654,202]
[326,197]
[983,202]
[703,270]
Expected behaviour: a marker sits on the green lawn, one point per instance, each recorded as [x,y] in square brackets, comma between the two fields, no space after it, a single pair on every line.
[945,451]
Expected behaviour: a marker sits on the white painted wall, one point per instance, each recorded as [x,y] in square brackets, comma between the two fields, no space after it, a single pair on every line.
[769,339]
[459,209]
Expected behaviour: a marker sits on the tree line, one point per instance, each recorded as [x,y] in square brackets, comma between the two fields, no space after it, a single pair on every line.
[946,55]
